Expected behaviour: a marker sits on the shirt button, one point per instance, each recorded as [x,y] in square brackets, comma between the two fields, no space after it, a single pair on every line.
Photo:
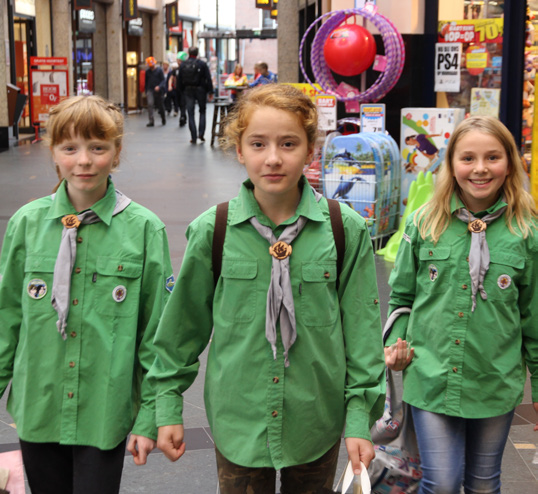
[327,274]
[73,334]
[75,301]
[71,364]
[457,342]
[376,301]
[276,380]
[460,314]
[430,253]
[120,268]
[70,394]
[467,258]
[79,240]
[78,270]
[454,369]
[464,286]
[274,413]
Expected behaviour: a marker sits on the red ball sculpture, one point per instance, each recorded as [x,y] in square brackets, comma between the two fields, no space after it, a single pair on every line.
[349,50]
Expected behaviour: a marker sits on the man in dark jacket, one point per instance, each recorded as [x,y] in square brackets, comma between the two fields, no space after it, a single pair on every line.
[155,90]
[195,81]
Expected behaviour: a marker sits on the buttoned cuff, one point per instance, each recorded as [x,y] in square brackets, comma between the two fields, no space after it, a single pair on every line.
[169,411]
[145,424]
[357,424]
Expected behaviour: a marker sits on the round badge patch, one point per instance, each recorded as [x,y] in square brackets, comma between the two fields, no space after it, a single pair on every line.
[433,272]
[36,288]
[119,293]
[504,281]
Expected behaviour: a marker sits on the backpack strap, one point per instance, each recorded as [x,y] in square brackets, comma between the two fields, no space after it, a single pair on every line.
[338,232]
[221,220]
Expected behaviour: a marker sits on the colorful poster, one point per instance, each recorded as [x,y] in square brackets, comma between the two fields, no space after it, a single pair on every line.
[49,87]
[471,31]
[485,101]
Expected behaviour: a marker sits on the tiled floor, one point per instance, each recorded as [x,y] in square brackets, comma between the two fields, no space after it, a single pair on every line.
[177,180]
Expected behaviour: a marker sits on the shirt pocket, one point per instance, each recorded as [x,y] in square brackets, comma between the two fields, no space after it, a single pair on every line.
[37,288]
[434,269]
[238,299]
[117,286]
[319,298]
[500,281]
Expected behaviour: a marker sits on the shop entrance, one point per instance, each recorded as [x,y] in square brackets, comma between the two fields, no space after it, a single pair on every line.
[24,37]
[83,64]
[132,61]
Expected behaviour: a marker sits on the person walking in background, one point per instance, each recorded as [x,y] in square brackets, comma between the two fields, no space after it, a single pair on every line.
[155,90]
[464,288]
[195,82]
[84,276]
[264,75]
[180,94]
[280,306]
[171,94]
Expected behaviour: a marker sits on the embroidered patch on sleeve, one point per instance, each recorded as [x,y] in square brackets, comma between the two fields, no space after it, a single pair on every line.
[170,282]
[407,238]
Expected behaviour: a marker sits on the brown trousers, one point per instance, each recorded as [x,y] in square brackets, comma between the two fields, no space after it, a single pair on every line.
[316,477]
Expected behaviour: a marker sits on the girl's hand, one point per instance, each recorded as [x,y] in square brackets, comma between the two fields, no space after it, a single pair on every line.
[170,441]
[140,447]
[359,450]
[397,356]
[535,404]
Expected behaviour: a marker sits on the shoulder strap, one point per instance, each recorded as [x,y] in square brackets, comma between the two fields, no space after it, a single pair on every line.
[221,220]
[220,233]
[338,233]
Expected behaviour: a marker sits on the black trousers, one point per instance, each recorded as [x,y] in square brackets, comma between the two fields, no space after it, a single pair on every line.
[53,468]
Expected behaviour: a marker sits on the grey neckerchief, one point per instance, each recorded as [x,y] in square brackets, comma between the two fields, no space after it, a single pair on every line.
[479,252]
[280,296]
[61,283]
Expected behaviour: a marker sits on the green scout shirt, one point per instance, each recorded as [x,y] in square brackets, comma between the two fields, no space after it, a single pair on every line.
[89,389]
[467,364]
[263,414]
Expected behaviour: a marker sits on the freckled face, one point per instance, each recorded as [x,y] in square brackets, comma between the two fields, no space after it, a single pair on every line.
[85,164]
[480,168]
[274,149]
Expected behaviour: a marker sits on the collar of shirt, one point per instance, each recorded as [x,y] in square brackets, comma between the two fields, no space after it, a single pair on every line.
[247,206]
[104,208]
[457,203]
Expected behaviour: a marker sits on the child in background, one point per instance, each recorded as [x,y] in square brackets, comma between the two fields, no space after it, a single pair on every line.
[85,274]
[236,78]
[467,267]
[296,353]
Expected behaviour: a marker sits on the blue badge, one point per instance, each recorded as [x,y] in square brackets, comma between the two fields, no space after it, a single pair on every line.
[36,288]
[170,282]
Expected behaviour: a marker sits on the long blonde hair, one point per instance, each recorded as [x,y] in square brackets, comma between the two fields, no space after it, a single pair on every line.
[434,217]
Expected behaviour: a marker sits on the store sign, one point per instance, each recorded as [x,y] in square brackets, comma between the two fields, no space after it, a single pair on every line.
[447,67]
[135,27]
[171,15]
[82,4]
[264,4]
[471,31]
[25,7]
[86,21]
[130,11]
[326,106]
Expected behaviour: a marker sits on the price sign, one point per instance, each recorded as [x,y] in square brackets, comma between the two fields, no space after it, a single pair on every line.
[471,31]
[447,67]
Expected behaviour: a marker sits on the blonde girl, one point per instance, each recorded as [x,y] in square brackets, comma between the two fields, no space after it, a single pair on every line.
[296,350]
[464,299]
